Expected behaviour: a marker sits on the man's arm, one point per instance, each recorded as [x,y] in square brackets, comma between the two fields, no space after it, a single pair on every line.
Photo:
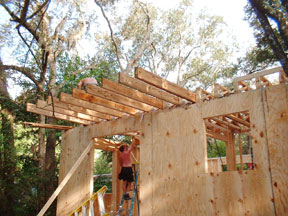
[80,84]
[132,145]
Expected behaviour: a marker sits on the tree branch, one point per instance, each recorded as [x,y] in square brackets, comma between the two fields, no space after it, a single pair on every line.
[146,42]
[26,71]
[111,34]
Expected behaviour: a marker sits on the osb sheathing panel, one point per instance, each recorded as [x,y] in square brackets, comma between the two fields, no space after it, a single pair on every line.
[277,131]
[175,155]
[173,152]
[79,187]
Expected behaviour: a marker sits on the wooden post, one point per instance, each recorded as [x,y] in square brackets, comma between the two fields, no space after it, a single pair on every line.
[230,152]
[240,152]
[115,181]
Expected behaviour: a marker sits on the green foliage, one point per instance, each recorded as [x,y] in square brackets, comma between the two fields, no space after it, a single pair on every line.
[71,71]
[103,165]
[216,148]
[262,56]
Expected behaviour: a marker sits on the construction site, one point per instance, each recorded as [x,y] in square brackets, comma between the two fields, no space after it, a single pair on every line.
[171,126]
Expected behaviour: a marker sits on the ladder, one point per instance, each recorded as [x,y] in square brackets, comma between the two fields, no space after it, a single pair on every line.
[134,195]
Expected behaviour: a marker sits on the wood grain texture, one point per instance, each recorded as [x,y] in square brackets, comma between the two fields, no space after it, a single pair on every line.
[79,187]
[277,132]
[159,82]
[132,93]
[104,102]
[86,104]
[149,89]
[110,95]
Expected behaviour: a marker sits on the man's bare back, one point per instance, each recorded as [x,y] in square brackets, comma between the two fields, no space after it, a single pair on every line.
[85,81]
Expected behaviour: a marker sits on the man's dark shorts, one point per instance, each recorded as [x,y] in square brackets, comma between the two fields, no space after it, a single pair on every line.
[126,174]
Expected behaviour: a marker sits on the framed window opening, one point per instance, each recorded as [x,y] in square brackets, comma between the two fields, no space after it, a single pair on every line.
[229,143]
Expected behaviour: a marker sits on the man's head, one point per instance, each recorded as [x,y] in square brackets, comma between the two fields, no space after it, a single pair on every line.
[123,147]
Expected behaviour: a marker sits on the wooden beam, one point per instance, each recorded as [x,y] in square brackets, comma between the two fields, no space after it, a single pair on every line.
[218,136]
[239,120]
[78,102]
[226,123]
[44,105]
[258,74]
[221,128]
[32,108]
[118,98]
[103,102]
[164,84]
[149,89]
[50,126]
[132,93]
[66,179]
[58,103]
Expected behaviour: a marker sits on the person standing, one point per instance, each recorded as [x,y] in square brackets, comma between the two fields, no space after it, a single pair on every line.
[126,173]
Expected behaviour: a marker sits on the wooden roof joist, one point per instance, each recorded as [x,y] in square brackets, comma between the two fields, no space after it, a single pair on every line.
[104,102]
[57,103]
[149,89]
[219,136]
[32,108]
[132,93]
[118,98]
[239,120]
[44,105]
[49,126]
[259,78]
[164,84]
[106,144]
[89,105]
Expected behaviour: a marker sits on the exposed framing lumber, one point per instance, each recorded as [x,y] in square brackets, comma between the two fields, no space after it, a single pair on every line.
[106,145]
[240,120]
[32,108]
[258,74]
[170,87]
[229,125]
[218,136]
[149,89]
[104,102]
[50,126]
[118,98]
[78,102]
[132,93]
[66,179]
[44,105]
[221,128]
[239,80]
[58,103]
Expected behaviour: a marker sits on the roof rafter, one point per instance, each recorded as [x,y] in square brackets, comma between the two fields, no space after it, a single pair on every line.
[149,89]
[86,104]
[32,108]
[44,105]
[104,102]
[132,93]
[118,98]
[161,83]
[57,103]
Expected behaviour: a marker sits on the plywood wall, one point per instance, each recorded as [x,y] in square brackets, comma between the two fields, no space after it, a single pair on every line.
[79,187]
[174,179]
[276,115]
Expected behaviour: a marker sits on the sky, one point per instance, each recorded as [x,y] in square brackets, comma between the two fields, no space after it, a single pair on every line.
[232,12]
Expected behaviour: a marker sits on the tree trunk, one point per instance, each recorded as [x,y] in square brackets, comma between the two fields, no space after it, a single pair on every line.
[270,35]
[7,151]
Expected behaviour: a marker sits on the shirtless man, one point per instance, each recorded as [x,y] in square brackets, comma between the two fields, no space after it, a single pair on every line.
[126,173]
[85,81]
